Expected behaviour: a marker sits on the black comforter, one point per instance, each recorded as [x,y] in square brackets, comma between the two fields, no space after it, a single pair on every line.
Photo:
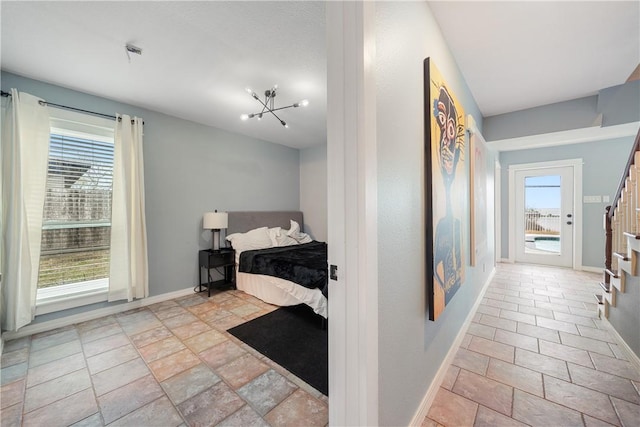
[304,264]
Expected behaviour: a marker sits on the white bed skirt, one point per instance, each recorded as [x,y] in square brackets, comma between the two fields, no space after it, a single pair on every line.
[281,292]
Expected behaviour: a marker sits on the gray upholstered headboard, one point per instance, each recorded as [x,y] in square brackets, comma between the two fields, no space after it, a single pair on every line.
[241,222]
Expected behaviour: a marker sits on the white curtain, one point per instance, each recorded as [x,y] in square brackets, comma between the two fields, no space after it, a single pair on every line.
[25,152]
[129,272]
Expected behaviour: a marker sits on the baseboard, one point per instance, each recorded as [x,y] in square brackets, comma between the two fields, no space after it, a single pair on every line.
[592,269]
[506,260]
[94,314]
[633,358]
[427,400]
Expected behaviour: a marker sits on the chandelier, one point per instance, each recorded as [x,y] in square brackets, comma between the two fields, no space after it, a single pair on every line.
[268,105]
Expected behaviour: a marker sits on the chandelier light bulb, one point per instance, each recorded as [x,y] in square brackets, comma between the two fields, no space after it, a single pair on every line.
[304,102]
[249,91]
[244,117]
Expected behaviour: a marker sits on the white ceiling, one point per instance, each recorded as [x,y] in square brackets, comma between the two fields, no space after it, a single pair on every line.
[198,57]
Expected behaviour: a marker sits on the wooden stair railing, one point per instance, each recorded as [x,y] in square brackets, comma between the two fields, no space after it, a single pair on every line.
[622,228]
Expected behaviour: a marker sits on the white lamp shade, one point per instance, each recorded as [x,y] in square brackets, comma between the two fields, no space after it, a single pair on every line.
[215,220]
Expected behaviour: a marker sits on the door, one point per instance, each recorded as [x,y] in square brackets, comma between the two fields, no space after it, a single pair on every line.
[544,216]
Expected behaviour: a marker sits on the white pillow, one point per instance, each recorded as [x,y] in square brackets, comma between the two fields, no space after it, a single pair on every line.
[258,238]
[294,233]
[278,238]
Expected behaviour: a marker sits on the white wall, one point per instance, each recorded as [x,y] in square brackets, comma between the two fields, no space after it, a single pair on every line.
[412,347]
[313,191]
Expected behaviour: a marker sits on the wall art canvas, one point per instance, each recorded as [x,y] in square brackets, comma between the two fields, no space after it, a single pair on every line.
[477,197]
[445,190]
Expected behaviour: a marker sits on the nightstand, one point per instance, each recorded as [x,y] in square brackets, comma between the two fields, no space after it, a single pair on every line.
[223,258]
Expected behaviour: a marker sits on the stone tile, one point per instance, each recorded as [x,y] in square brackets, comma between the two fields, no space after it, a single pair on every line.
[532,297]
[245,310]
[55,352]
[180,320]
[518,317]
[138,321]
[580,398]
[201,342]
[160,349]
[192,300]
[171,365]
[572,318]
[500,304]
[243,417]
[187,331]
[536,311]
[17,344]
[13,373]
[603,382]
[40,342]
[187,384]
[519,301]
[628,413]
[450,377]
[489,418]
[149,337]
[213,316]
[465,341]
[516,340]
[552,306]
[481,330]
[299,409]
[68,410]
[228,322]
[593,422]
[242,370]
[494,295]
[105,344]
[451,409]
[162,305]
[160,412]
[583,312]
[50,391]
[109,359]
[516,376]
[55,369]
[484,391]
[563,352]
[171,312]
[11,416]
[266,391]
[618,367]
[596,334]
[543,364]
[492,349]
[588,344]
[202,308]
[557,325]
[100,332]
[471,361]
[221,354]
[536,411]
[567,302]
[94,420]
[14,357]
[538,332]
[111,379]
[11,394]
[497,322]
[128,398]
[96,323]
[619,353]
[486,309]
[211,406]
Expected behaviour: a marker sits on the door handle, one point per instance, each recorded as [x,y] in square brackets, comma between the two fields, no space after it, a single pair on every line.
[569,223]
[568,215]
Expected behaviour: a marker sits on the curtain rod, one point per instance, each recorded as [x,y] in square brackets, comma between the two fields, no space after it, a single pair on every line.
[108,116]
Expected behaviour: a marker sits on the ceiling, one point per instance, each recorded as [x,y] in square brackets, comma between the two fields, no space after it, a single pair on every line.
[198,57]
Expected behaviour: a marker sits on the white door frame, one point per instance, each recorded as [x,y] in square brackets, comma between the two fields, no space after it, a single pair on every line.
[352,213]
[577,204]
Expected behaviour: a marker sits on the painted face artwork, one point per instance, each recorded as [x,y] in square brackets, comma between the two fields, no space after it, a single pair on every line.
[447,120]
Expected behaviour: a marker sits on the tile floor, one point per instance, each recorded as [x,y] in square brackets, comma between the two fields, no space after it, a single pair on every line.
[536,354]
[168,364]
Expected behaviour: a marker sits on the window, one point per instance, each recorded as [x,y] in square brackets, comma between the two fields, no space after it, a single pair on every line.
[74,259]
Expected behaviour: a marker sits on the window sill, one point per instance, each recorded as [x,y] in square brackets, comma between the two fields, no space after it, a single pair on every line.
[63,297]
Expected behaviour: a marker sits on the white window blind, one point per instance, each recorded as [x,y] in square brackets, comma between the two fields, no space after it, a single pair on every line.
[77,212]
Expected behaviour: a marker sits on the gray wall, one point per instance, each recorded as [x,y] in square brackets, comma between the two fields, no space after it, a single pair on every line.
[313,191]
[412,347]
[625,316]
[603,164]
[190,169]
[617,105]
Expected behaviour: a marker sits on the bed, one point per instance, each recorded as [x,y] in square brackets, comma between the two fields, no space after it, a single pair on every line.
[277,256]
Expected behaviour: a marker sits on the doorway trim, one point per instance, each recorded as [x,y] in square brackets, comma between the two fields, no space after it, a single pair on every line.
[576,164]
